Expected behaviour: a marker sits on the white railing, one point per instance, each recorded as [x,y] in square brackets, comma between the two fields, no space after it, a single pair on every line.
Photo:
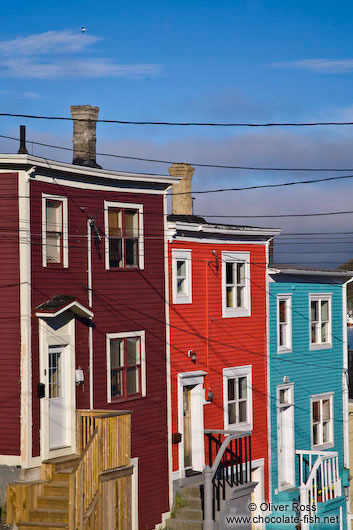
[319,479]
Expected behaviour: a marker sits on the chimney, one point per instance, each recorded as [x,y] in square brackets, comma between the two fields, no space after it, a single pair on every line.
[182,204]
[22,150]
[84,139]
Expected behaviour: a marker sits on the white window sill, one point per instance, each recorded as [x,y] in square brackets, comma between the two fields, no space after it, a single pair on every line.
[323,346]
[234,313]
[182,300]
[328,445]
[283,349]
[239,427]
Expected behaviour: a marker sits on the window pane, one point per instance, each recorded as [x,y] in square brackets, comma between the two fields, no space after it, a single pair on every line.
[316,411]
[53,247]
[181,286]
[314,311]
[231,389]
[55,374]
[54,215]
[230,273]
[324,332]
[133,351]
[131,223]
[131,252]
[240,296]
[281,334]
[242,411]
[231,413]
[325,432]
[115,253]
[241,273]
[242,387]
[282,311]
[313,333]
[114,222]
[324,310]
[326,409]
[284,395]
[181,268]
[116,353]
[230,296]
[116,385]
[132,380]
[315,434]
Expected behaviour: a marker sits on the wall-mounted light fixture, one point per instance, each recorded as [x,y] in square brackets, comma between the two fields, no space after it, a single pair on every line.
[193,355]
[210,395]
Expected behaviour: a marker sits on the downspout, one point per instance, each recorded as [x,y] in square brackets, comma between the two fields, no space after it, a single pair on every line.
[90,302]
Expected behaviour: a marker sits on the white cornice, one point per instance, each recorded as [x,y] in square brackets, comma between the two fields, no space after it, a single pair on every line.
[178,226]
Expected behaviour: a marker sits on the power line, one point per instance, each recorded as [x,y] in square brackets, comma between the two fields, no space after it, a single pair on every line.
[182,124]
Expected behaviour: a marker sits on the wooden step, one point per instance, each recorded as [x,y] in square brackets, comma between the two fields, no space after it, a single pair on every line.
[34,525]
[56,488]
[63,462]
[59,502]
[61,476]
[49,515]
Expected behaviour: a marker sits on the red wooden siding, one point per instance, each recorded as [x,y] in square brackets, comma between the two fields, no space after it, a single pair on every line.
[123,300]
[232,342]
[10,388]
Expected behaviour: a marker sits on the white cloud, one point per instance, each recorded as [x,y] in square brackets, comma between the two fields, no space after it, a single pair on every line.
[23,58]
[322,66]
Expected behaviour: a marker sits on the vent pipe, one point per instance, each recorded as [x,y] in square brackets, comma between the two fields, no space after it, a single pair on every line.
[22,150]
[84,138]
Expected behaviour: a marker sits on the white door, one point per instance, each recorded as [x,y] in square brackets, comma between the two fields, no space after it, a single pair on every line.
[59,406]
[285,438]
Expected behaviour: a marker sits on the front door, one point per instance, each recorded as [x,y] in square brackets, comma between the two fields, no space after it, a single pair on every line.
[59,406]
[187,427]
[285,438]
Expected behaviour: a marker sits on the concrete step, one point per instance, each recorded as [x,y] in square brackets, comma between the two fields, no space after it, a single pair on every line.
[178,524]
[188,514]
[191,491]
[34,525]
[49,515]
[56,488]
[193,502]
[53,501]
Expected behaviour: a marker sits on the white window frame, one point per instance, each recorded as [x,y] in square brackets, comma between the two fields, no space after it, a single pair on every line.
[65,248]
[321,397]
[290,470]
[287,347]
[182,255]
[236,257]
[321,297]
[127,335]
[124,206]
[230,373]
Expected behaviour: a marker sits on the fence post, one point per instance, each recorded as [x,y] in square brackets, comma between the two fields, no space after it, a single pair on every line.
[208,500]
[304,501]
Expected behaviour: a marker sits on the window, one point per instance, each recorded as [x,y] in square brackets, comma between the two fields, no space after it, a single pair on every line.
[237,398]
[322,421]
[124,235]
[54,230]
[182,276]
[126,365]
[320,321]
[284,322]
[236,284]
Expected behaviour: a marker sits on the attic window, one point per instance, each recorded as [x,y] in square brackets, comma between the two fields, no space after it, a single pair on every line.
[54,231]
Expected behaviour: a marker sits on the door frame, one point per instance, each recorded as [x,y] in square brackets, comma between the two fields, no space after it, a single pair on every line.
[291,439]
[197,401]
[52,333]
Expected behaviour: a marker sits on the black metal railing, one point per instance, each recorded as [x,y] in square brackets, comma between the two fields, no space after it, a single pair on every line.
[234,467]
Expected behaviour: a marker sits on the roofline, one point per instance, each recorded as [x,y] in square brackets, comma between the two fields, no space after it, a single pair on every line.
[74,306]
[208,228]
[306,272]
[30,160]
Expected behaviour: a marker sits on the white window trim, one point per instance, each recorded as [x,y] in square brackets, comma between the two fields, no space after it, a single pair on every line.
[288,299]
[315,397]
[228,373]
[126,206]
[234,257]
[178,255]
[124,335]
[45,197]
[321,296]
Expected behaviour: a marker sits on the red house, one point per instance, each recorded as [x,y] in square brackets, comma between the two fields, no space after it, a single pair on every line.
[82,290]
[218,338]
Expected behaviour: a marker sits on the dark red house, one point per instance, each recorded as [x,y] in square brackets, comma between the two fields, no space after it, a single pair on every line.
[82,289]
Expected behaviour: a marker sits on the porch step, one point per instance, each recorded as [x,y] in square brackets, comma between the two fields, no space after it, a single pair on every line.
[188,513]
[56,488]
[192,491]
[183,524]
[53,501]
[61,476]
[35,525]
[62,463]
[49,515]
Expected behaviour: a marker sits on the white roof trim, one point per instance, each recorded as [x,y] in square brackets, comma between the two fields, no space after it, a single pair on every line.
[211,228]
[305,272]
[74,306]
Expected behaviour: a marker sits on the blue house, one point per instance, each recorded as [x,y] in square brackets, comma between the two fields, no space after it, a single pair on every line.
[308,398]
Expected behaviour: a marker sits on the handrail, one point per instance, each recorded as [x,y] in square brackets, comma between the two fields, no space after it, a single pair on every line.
[223,448]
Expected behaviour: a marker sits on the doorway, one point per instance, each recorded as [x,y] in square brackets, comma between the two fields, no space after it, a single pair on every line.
[59,405]
[285,437]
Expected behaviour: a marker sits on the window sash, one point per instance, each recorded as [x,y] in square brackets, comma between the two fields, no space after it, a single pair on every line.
[54,231]
[235,285]
[125,373]
[320,321]
[321,418]
[237,400]
[123,235]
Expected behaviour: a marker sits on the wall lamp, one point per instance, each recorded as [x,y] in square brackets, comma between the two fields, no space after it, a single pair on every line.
[193,355]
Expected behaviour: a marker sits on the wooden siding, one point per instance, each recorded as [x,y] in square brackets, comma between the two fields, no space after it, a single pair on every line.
[123,301]
[232,342]
[10,388]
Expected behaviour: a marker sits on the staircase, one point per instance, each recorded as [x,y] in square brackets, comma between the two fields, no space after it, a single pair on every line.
[188,517]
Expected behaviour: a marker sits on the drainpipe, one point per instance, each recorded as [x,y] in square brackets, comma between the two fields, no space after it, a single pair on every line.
[90,302]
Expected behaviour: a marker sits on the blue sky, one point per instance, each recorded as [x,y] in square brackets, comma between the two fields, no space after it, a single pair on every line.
[231,61]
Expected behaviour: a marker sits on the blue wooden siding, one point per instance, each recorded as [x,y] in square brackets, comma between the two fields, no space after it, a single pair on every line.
[312,372]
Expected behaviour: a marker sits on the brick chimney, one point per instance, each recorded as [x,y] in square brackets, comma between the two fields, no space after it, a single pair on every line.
[84,139]
[182,204]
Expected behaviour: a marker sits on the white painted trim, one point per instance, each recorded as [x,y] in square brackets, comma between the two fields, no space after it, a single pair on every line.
[216,241]
[10,460]
[65,221]
[178,255]
[216,229]
[81,310]
[197,395]
[228,373]
[48,335]
[17,159]
[345,396]
[290,404]
[124,205]
[315,397]
[236,257]
[25,316]
[167,355]
[124,335]
[288,309]
[268,381]
[318,297]
[134,494]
